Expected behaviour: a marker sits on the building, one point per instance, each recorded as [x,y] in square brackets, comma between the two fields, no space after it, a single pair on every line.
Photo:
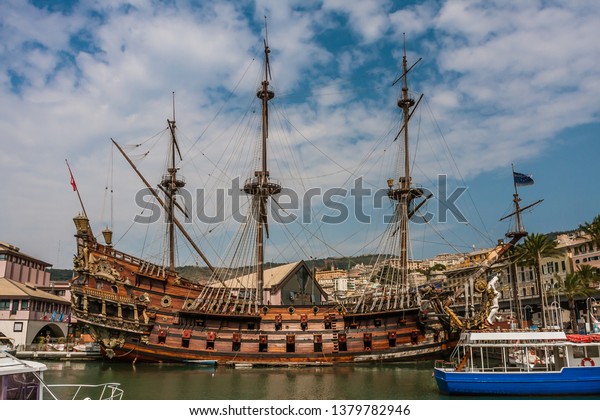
[28,314]
[28,311]
[335,282]
[288,284]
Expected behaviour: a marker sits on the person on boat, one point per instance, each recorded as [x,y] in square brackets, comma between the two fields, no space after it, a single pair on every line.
[533,357]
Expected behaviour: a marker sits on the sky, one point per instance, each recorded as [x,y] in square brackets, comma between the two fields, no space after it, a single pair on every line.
[503,83]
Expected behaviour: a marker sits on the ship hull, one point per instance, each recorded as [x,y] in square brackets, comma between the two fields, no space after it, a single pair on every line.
[258,347]
[139,312]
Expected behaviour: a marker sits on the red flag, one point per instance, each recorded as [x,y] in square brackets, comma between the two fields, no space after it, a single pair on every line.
[72,179]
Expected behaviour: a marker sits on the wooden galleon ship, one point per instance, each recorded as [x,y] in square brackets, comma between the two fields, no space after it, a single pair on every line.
[138,310]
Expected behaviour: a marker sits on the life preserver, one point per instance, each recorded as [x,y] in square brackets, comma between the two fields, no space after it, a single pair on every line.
[587,359]
[367,348]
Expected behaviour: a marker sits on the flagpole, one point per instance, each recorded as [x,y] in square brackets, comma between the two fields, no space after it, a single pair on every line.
[516,200]
[74,185]
[514,180]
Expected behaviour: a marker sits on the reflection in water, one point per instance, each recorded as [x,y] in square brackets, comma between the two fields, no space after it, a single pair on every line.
[184,382]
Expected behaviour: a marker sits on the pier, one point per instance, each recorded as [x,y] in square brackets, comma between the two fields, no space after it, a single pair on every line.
[59,355]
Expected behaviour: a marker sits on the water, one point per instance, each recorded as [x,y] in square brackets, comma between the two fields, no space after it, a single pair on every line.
[406,381]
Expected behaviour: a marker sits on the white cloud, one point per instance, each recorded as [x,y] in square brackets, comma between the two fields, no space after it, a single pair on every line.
[367,18]
[501,80]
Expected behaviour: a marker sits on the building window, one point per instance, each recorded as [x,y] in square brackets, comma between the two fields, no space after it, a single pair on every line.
[24,305]
[563,266]
[18,327]
[4,305]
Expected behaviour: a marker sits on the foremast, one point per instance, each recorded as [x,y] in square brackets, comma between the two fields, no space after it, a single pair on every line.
[261,187]
[475,281]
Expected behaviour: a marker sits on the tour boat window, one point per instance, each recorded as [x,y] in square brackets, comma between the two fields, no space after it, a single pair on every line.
[578,352]
[592,351]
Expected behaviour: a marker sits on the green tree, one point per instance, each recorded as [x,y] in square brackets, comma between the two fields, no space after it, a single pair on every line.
[589,273]
[593,229]
[534,248]
[575,285]
[428,272]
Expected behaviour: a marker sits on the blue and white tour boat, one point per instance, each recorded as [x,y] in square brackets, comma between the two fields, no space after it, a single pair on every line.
[529,363]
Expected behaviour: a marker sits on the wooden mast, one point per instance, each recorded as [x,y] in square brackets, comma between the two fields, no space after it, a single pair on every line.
[404,193]
[171,184]
[260,186]
[164,206]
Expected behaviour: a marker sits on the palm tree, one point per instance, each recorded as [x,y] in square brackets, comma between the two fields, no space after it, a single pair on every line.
[574,285]
[530,253]
[589,273]
[593,229]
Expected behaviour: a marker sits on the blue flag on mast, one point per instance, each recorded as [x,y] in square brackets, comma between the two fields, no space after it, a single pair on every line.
[522,179]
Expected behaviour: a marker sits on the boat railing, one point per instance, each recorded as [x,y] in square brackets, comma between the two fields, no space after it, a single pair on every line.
[101,392]
[103,294]
[445,365]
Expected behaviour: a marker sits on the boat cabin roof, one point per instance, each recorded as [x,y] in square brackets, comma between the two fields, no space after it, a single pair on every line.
[11,365]
[513,336]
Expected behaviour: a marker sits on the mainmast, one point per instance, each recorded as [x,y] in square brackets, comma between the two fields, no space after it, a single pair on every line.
[260,186]
[170,183]
[403,192]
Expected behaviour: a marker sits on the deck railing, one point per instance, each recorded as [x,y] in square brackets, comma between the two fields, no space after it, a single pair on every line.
[107,391]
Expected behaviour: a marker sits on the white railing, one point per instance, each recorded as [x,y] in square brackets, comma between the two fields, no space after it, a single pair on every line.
[101,392]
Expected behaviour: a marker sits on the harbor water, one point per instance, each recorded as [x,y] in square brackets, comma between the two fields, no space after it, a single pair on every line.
[406,381]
